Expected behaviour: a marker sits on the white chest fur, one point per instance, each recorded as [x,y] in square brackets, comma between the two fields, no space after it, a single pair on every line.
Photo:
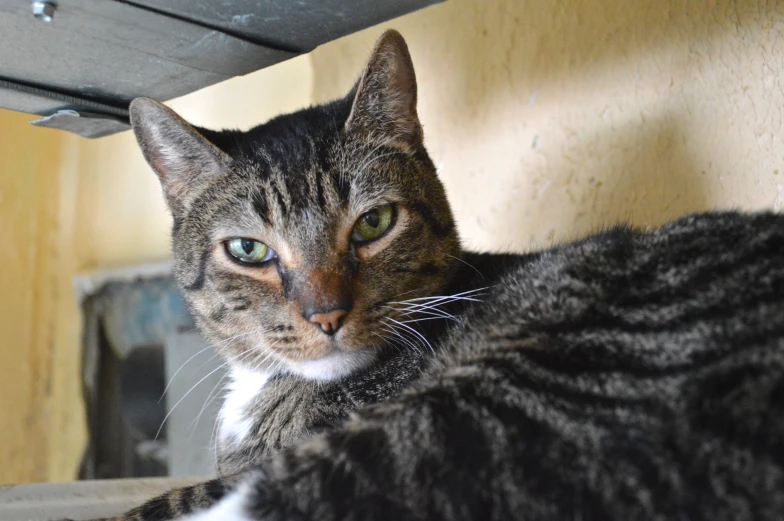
[235,418]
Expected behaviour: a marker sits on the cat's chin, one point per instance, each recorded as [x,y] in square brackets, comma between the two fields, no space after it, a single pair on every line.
[334,365]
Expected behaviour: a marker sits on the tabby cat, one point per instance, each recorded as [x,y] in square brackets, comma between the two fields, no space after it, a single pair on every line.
[379,372]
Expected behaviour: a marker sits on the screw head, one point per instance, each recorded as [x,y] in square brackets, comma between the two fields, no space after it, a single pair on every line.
[44,11]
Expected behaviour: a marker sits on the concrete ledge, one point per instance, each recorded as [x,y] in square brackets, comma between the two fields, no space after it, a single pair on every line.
[81,500]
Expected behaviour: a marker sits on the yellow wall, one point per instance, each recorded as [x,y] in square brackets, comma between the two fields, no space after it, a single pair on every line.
[70,205]
[34,222]
[546,119]
[550,119]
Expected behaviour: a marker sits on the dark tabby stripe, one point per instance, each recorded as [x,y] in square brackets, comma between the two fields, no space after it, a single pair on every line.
[186,500]
[426,269]
[279,198]
[261,208]
[439,229]
[220,314]
[320,199]
[159,509]
[198,282]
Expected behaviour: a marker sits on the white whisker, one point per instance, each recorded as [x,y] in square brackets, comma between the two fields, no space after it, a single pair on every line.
[425,319]
[434,312]
[413,331]
[180,369]
[194,386]
[435,305]
[406,341]
[210,398]
[436,298]
[467,264]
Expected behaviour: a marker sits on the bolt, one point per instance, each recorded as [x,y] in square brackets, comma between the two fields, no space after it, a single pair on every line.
[44,11]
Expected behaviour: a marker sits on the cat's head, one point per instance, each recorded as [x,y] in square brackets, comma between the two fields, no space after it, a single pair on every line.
[293,241]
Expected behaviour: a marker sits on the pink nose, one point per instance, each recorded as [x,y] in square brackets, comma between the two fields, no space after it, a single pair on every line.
[330,322]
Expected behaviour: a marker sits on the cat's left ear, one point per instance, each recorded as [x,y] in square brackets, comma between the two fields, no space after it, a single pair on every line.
[182,158]
[385,97]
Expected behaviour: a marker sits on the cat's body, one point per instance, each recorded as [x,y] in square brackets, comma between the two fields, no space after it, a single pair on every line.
[629,375]
[603,380]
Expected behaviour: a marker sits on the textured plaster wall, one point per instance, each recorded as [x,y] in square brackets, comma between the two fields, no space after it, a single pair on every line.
[549,119]
[35,230]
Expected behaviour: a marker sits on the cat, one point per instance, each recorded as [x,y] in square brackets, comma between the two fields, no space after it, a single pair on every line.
[633,374]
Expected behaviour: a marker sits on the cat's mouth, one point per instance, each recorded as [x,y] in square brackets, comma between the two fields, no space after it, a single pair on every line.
[324,358]
[334,364]
[332,357]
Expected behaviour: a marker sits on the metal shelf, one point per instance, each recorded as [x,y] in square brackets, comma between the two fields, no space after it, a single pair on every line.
[81,69]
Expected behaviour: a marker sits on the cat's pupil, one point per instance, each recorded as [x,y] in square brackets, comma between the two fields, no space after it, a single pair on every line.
[372,219]
[248,245]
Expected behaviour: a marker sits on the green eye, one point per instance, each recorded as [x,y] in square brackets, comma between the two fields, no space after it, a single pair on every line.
[249,251]
[372,225]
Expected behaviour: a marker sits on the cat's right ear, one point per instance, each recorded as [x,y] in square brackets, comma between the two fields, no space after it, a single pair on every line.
[182,158]
[385,98]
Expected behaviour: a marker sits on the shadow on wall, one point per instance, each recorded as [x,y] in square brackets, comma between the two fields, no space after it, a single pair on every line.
[549,120]
[649,178]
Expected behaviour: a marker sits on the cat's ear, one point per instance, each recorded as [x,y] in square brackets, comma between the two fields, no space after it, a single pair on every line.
[182,158]
[385,97]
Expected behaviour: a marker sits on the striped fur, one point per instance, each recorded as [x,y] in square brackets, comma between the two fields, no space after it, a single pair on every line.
[629,375]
